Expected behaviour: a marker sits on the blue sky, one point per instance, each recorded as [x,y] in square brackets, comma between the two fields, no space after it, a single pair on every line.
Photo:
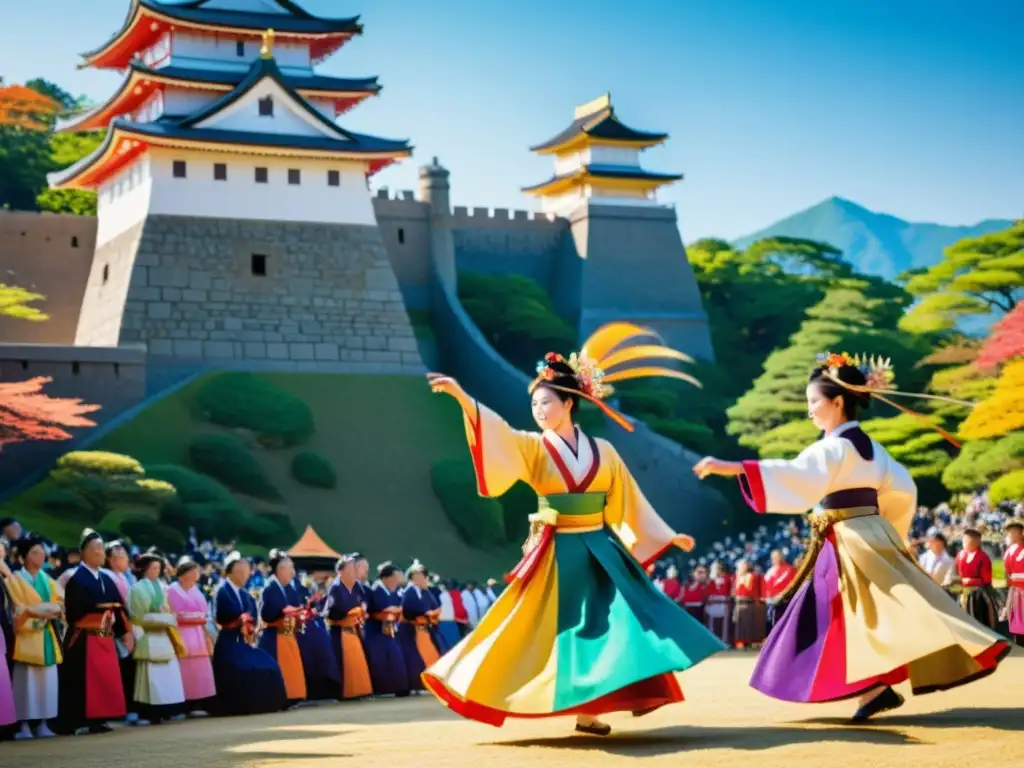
[910,107]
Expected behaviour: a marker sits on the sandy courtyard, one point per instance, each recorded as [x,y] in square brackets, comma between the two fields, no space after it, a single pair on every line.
[723,723]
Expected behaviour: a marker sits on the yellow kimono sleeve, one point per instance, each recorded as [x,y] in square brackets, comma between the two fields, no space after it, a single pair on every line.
[897,498]
[501,455]
[632,518]
[29,637]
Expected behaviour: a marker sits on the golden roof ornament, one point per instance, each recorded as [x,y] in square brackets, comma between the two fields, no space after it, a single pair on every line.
[267,51]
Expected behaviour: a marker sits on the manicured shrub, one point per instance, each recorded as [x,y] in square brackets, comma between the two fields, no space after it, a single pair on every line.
[314,470]
[479,521]
[90,483]
[146,532]
[201,502]
[249,401]
[227,459]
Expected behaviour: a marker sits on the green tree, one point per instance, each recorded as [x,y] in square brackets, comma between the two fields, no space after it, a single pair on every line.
[859,316]
[977,276]
[24,162]
[53,91]
[66,149]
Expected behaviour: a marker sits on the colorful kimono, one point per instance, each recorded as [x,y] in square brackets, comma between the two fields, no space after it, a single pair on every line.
[448,633]
[281,614]
[1014,562]
[191,611]
[319,662]
[863,613]
[248,679]
[8,714]
[123,582]
[345,616]
[416,633]
[748,618]
[383,653]
[36,646]
[157,672]
[90,676]
[580,628]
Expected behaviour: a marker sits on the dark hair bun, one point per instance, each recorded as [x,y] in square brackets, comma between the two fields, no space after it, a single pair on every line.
[847,374]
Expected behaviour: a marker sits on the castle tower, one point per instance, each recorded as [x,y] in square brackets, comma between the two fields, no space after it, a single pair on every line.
[235,218]
[629,261]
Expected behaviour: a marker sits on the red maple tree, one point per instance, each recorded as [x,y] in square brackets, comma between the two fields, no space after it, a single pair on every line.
[1006,341]
[27,413]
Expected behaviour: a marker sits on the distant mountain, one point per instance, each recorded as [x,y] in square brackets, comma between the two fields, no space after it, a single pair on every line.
[876,243]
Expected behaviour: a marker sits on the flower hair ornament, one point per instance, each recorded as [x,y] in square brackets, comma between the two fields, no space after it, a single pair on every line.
[610,347]
[880,384]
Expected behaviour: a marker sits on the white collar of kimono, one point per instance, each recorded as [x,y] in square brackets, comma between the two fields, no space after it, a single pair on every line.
[844,427]
[578,463]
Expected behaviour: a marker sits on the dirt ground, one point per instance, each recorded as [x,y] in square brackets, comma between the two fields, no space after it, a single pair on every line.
[722,723]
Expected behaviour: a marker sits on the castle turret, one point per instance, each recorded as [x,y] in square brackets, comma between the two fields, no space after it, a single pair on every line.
[435,191]
[629,262]
[597,158]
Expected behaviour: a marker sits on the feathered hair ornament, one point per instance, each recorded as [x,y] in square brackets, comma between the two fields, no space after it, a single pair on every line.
[605,350]
[881,384]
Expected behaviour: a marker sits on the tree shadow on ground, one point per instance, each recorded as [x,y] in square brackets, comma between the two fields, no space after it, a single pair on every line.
[666,741]
[1011,719]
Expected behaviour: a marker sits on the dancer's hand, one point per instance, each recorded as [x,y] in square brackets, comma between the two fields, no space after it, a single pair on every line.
[440,383]
[709,465]
[684,542]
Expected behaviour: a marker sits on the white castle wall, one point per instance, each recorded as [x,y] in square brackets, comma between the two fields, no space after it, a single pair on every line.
[193,50]
[124,200]
[240,197]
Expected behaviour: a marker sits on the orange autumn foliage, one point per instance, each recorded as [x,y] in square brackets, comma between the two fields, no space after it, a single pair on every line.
[26,413]
[23,107]
[1001,413]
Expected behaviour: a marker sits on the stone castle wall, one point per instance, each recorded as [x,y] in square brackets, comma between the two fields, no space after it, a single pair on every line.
[51,255]
[329,297]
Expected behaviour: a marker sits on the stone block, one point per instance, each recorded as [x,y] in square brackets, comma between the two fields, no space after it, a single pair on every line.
[200,280]
[326,352]
[158,310]
[218,349]
[161,347]
[399,344]
[168,277]
[171,294]
[300,352]
[254,349]
[188,348]
[145,294]
[381,280]
[375,342]
[383,357]
[140,275]
[277,351]
[192,294]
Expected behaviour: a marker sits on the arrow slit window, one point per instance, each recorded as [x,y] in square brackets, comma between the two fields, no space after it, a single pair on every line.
[266,106]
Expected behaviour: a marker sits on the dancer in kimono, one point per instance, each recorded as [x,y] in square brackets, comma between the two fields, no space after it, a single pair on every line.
[345,616]
[383,652]
[863,616]
[248,679]
[90,678]
[419,618]
[159,691]
[748,616]
[580,629]
[38,605]
[8,714]
[282,612]
[192,612]
[319,660]
[1013,559]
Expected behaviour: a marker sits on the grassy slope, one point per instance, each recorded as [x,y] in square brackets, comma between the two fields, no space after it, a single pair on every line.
[382,433]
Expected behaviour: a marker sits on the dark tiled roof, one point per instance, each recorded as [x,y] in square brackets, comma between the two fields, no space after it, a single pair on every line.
[298,20]
[600,125]
[295,82]
[608,172]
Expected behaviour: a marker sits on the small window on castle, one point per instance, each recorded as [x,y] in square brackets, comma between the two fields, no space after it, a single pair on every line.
[258,265]
[76,368]
[294,176]
[220,171]
[266,106]
[179,169]
[261,175]
[334,178]
[401,235]
[24,365]
[117,370]
[240,48]
[106,273]
[74,241]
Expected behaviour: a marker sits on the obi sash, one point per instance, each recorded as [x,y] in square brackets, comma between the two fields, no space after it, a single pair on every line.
[388,622]
[837,507]
[352,622]
[560,513]
[104,694]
